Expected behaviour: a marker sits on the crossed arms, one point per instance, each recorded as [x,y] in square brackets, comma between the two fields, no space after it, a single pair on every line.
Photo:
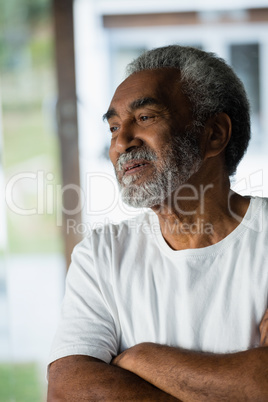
[152,372]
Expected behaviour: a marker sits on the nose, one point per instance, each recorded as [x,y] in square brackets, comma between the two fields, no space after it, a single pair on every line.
[126,140]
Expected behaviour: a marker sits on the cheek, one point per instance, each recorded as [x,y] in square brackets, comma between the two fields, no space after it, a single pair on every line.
[112,155]
[159,142]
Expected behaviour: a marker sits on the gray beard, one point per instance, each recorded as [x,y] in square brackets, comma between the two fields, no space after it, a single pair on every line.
[180,159]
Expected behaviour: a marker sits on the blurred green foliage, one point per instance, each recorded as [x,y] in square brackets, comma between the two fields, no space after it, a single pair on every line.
[30,144]
[30,10]
[28,93]
[18,20]
[21,383]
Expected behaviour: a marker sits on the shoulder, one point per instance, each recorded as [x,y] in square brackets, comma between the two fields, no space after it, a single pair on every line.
[106,238]
[264,202]
[254,226]
[256,217]
[109,231]
[260,202]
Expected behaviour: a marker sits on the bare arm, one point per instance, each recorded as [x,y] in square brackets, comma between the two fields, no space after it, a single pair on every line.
[264,330]
[83,378]
[187,375]
[198,376]
[202,377]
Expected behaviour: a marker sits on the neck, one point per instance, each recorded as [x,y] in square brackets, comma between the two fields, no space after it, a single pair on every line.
[199,215]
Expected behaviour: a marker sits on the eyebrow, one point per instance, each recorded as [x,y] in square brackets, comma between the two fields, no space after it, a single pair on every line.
[136,104]
[147,101]
[108,115]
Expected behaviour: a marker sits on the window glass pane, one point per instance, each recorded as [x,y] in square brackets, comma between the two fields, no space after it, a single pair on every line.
[245,61]
[120,57]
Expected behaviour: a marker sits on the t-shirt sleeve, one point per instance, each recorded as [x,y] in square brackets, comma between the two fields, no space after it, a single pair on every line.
[87,325]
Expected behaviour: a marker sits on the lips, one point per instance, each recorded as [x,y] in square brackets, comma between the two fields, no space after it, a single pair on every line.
[134,166]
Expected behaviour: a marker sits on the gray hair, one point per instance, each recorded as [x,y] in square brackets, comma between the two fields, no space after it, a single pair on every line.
[211,86]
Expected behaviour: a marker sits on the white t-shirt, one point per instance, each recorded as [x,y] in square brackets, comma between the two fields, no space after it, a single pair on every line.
[126,285]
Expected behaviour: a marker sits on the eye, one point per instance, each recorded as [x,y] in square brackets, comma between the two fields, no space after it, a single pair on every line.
[113,129]
[144,118]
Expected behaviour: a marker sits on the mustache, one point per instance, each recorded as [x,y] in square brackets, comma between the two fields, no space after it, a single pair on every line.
[141,153]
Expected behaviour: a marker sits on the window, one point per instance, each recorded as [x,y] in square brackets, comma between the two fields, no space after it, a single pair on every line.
[245,61]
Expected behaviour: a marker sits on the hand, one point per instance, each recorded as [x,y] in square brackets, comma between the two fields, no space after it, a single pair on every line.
[116,360]
[123,360]
[120,360]
[264,330]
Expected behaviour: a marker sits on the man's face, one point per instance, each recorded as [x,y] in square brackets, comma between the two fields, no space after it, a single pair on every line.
[153,148]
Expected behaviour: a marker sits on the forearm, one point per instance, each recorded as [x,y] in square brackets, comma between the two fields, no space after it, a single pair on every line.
[199,376]
[80,378]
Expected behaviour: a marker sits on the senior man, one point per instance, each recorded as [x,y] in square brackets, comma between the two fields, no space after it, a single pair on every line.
[171,305]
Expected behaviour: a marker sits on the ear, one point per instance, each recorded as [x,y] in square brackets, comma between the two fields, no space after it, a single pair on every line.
[217,133]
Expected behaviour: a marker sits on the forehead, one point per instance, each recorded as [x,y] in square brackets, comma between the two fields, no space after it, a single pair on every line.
[162,84]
